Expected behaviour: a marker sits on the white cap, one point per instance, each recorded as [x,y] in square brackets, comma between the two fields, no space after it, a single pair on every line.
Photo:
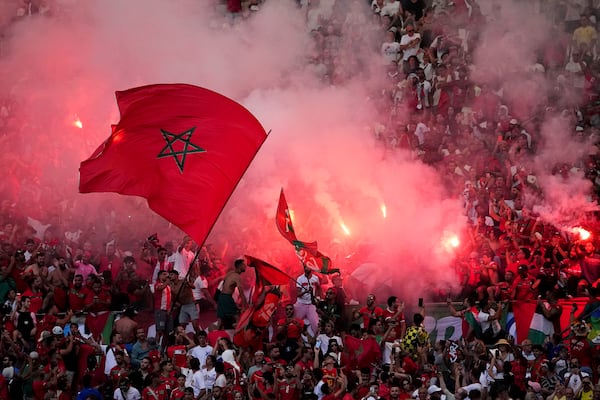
[57,330]
[433,389]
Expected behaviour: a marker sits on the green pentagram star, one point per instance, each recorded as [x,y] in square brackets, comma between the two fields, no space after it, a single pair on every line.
[179,156]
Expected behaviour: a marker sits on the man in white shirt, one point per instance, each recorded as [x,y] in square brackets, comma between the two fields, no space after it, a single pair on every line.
[126,392]
[308,286]
[489,318]
[410,42]
[200,289]
[202,350]
[183,257]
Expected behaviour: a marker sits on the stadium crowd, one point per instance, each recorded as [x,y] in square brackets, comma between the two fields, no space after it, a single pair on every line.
[61,290]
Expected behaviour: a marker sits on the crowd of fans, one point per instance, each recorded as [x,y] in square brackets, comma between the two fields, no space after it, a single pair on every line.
[60,292]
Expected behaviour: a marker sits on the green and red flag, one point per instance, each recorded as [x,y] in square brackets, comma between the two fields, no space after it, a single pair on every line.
[181,147]
[307,252]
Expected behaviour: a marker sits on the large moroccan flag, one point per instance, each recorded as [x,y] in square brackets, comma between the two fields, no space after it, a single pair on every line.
[307,252]
[182,147]
[360,353]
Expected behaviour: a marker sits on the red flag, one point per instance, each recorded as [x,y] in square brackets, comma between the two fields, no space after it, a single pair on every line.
[182,147]
[360,353]
[252,327]
[266,275]
[307,252]
[283,219]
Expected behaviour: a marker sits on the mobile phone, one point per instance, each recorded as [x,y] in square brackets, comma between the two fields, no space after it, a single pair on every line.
[318,344]
[420,302]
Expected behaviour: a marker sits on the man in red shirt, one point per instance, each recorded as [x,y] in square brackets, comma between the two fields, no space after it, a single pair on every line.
[77,294]
[394,311]
[156,390]
[289,386]
[370,311]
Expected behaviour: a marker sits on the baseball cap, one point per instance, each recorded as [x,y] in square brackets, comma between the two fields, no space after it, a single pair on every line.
[44,335]
[57,330]
[34,355]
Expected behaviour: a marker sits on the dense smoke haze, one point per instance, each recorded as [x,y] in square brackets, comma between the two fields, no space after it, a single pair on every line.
[65,67]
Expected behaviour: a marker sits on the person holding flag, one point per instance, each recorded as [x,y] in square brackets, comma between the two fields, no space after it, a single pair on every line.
[227,310]
[183,257]
[308,287]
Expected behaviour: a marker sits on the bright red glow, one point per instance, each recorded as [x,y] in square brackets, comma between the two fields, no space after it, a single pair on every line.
[583,234]
[450,241]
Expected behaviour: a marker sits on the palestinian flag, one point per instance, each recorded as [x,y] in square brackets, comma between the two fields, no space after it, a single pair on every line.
[531,323]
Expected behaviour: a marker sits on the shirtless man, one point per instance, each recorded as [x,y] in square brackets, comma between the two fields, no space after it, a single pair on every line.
[227,310]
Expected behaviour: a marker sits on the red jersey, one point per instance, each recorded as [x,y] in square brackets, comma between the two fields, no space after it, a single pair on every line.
[178,354]
[158,393]
[102,305]
[169,381]
[115,375]
[77,298]
[177,393]
[214,336]
[368,315]
[294,327]
[288,390]
[583,350]
[36,300]
[387,313]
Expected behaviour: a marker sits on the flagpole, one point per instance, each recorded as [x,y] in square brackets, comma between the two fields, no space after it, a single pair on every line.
[177,295]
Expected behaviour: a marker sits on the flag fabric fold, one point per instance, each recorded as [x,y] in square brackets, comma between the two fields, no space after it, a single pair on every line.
[267,294]
[182,147]
[307,252]
[266,275]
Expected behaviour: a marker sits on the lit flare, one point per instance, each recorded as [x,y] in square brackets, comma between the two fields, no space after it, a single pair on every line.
[345,228]
[77,123]
[583,234]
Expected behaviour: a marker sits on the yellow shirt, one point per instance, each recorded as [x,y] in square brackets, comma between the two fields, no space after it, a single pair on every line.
[585,34]
[586,395]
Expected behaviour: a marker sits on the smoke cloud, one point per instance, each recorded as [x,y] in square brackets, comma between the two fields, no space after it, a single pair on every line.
[64,67]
